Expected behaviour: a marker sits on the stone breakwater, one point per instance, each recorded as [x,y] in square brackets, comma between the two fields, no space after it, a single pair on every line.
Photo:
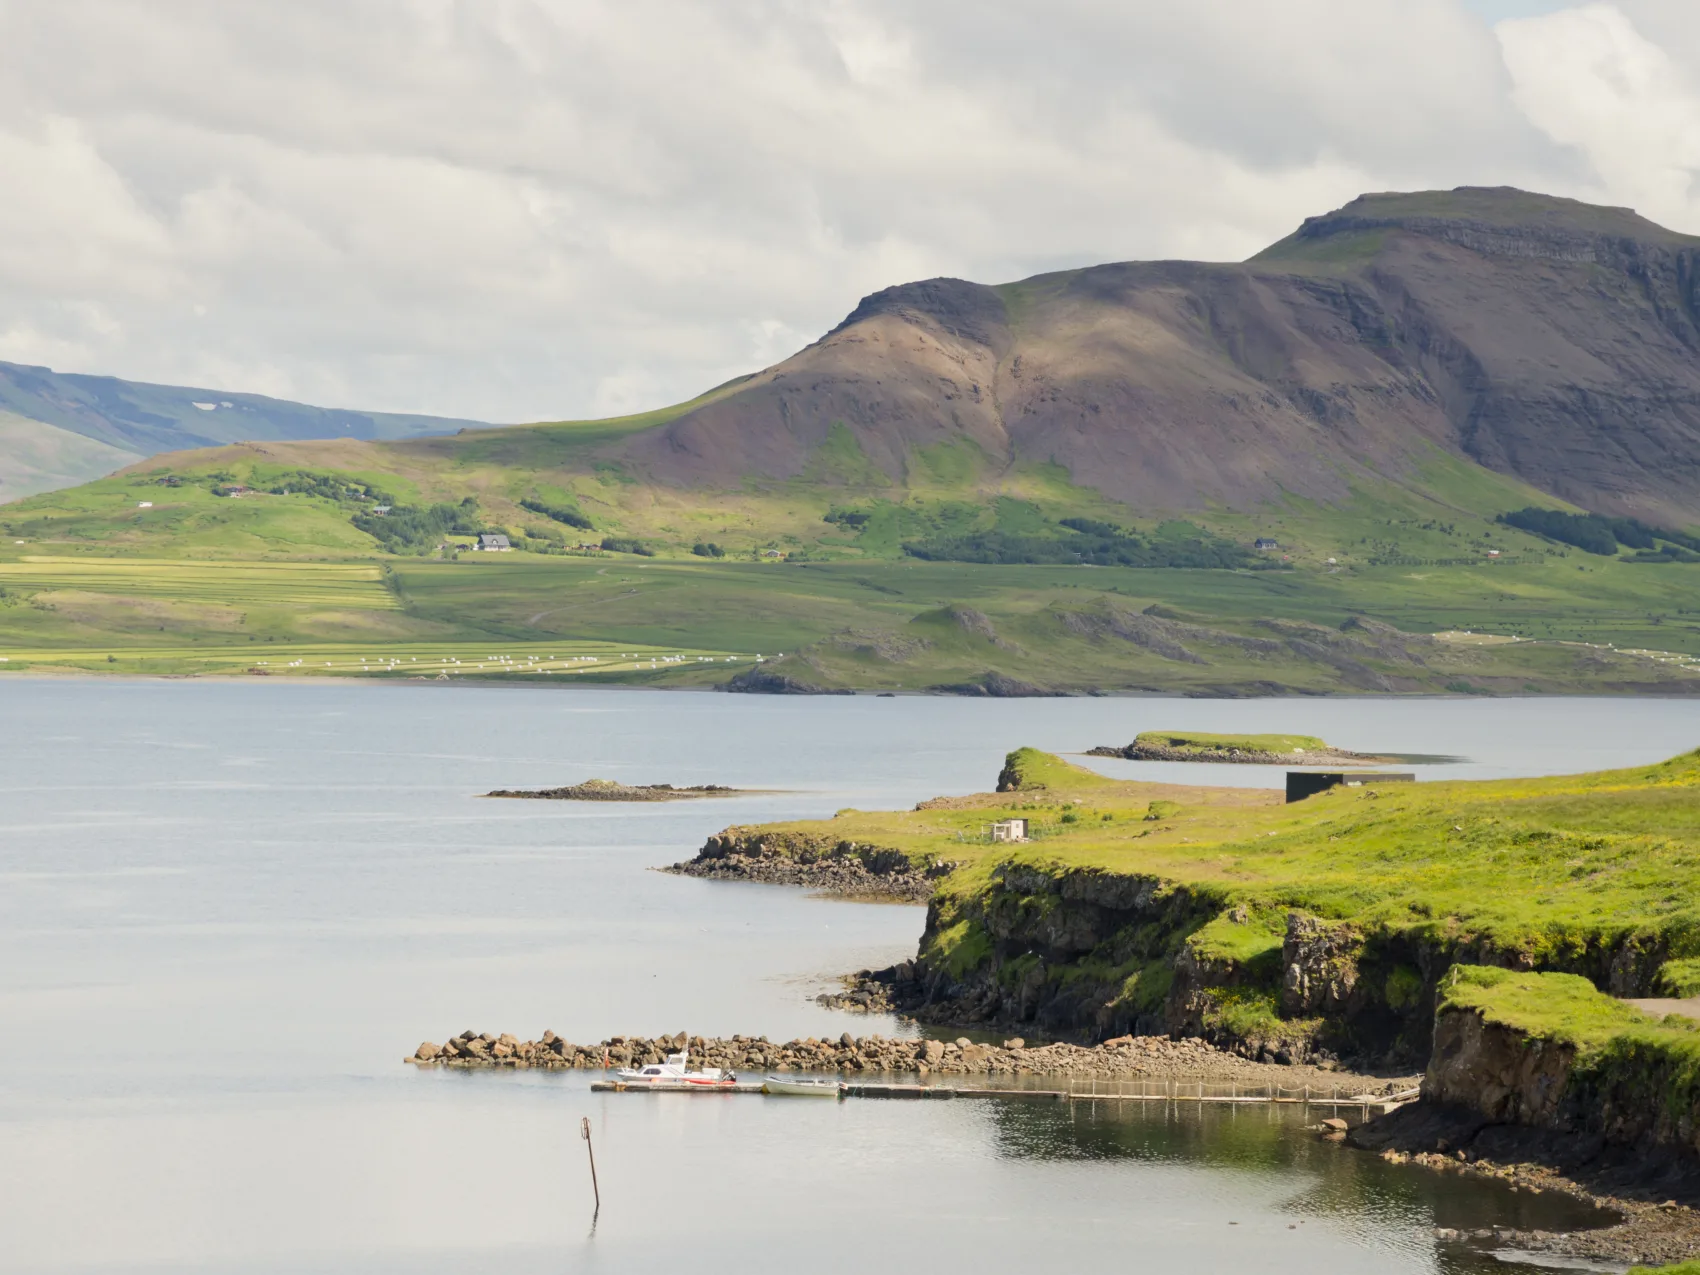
[1126,1058]
[794,858]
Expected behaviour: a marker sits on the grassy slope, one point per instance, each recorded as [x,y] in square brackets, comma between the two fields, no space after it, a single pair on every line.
[36,457]
[1554,873]
[1531,865]
[1567,1008]
[1408,554]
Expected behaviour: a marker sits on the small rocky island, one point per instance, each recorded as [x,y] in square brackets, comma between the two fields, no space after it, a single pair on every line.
[840,867]
[1253,750]
[609,790]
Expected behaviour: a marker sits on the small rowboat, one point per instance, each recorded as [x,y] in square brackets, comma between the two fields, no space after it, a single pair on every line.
[780,1087]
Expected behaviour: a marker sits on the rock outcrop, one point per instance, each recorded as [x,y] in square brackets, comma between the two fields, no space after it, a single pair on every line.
[763,679]
[844,868]
[1546,1070]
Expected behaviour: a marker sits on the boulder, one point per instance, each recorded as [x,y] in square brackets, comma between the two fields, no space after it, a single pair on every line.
[426,1051]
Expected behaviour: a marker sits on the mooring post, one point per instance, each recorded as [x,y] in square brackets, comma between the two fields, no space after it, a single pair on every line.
[584,1132]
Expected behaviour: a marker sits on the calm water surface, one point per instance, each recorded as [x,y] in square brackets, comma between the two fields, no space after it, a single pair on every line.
[227,910]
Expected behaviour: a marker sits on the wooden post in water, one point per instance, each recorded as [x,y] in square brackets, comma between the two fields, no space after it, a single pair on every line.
[584,1132]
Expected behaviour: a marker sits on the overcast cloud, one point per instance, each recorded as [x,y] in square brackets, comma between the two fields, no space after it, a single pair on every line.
[524,209]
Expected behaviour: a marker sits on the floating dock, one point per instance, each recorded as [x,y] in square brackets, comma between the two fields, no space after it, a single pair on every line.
[680,1086]
[1202,1092]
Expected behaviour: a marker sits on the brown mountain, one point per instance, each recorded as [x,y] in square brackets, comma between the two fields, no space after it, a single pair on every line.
[1547,339]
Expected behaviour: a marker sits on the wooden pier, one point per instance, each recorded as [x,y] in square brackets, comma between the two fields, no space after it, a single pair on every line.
[1204,1093]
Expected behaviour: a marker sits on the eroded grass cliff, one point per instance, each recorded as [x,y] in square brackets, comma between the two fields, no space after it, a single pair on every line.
[1322,927]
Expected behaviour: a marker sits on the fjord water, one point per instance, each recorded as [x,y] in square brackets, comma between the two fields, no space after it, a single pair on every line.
[227,910]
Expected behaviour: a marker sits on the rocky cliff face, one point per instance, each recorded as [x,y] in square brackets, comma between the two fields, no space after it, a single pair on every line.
[1092,954]
[1503,1074]
[1542,338]
[1490,1083]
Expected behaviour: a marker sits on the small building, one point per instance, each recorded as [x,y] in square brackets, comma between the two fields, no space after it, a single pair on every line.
[1265,543]
[1307,783]
[1009,830]
[492,543]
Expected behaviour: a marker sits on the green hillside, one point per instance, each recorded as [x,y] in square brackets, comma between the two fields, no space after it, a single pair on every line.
[139,572]
[36,457]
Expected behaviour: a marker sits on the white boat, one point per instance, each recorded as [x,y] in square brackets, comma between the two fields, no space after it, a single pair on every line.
[675,1072]
[783,1087]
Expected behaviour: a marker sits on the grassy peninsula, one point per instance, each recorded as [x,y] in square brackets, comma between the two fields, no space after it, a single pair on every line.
[1328,924]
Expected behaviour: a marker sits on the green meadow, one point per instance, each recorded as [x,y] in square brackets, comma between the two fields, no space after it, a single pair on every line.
[207,554]
[887,624]
[1613,852]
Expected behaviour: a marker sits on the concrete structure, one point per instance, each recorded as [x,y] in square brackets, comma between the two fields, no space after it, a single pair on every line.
[1009,830]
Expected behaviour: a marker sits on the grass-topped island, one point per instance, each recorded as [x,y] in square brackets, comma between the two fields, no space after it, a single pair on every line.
[1264,749]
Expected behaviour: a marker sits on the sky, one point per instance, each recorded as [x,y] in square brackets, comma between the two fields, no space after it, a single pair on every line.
[555,209]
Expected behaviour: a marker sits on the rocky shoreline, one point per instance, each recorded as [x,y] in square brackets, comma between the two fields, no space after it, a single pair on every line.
[1130,1057]
[842,868]
[1654,1196]
[609,790]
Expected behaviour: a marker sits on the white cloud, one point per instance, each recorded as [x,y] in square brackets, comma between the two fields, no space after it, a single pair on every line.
[1591,80]
[541,208]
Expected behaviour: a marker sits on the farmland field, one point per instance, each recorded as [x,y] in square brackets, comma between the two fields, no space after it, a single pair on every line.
[1540,626]
[269,584]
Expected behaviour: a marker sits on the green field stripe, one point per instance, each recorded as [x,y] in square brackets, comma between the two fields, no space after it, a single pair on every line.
[355,586]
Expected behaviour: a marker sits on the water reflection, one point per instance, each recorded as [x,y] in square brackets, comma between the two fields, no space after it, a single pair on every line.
[1343,1184]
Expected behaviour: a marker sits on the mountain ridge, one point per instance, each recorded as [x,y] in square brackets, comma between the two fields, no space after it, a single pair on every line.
[142,418]
[1548,340]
